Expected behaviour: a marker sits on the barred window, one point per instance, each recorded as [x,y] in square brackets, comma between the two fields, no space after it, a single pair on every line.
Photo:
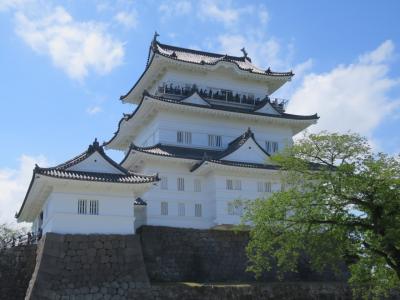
[164,183]
[164,208]
[264,187]
[233,184]
[231,209]
[181,184]
[198,210]
[82,207]
[181,209]
[197,185]
[214,140]
[271,147]
[184,137]
[235,209]
[229,184]
[94,207]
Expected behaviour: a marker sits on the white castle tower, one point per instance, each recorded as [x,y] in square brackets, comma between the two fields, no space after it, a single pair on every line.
[206,123]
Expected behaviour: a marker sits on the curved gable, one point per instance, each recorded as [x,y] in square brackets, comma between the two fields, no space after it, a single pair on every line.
[95,163]
[268,109]
[195,98]
[249,152]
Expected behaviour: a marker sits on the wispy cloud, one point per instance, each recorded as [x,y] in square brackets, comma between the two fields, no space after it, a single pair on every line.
[93,110]
[13,185]
[73,46]
[169,9]
[128,19]
[264,51]
[221,11]
[352,97]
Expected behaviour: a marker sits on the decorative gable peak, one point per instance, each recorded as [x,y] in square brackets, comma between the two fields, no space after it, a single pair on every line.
[195,98]
[95,146]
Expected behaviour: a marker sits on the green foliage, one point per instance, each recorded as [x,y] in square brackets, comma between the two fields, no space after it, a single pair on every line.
[342,203]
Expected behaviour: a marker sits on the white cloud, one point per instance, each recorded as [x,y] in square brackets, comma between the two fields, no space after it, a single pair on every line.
[170,9]
[14,184]
[6,5]
[265,52]
[93,110]
[381,54]
[129,20]
[350,97]
[263,15]
[75,47]
[220,11]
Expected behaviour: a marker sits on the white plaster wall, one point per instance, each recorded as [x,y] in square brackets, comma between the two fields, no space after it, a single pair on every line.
[95,163]
[149,135]
[214,196]
[200,127]
[115,213]
[189,197]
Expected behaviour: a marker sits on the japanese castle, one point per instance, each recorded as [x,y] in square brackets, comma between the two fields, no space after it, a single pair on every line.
[200,137]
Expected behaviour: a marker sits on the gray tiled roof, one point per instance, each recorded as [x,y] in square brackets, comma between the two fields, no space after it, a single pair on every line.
[202,57]
[176,151]
[95,176]
[62,170]
[236,164]
[201,154]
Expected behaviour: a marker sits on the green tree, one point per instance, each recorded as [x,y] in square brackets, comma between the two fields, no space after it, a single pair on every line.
[341,203]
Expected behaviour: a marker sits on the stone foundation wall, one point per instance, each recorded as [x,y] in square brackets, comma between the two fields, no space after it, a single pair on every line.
[177,254]
[16,268]
[88,267]
[149,265]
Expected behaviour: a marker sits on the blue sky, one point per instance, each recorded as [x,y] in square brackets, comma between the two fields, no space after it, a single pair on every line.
[64,65]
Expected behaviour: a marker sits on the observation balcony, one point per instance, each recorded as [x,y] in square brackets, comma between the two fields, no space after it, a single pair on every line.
[218,96]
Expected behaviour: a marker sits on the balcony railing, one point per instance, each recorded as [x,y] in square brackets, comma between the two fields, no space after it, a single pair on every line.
[216,94]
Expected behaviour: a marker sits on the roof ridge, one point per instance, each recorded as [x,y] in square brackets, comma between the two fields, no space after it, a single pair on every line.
[201,52]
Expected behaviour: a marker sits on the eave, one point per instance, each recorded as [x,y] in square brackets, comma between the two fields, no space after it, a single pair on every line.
[158,64]
[42,184]
[150,105]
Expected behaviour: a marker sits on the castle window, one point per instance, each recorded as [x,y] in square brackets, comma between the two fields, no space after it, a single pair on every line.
[198,210]
[181,184]
[94,207]
[164,182]
[264,187]
[214,140]
[197,185]
[271,147]
[181,209]
[82,207]
[164,208]
[235,209]
[233,184]
[184,137]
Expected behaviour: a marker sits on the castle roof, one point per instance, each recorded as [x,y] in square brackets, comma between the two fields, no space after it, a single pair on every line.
[159,52]
[275,114]
[198,156]
[93,165]
[209,58]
